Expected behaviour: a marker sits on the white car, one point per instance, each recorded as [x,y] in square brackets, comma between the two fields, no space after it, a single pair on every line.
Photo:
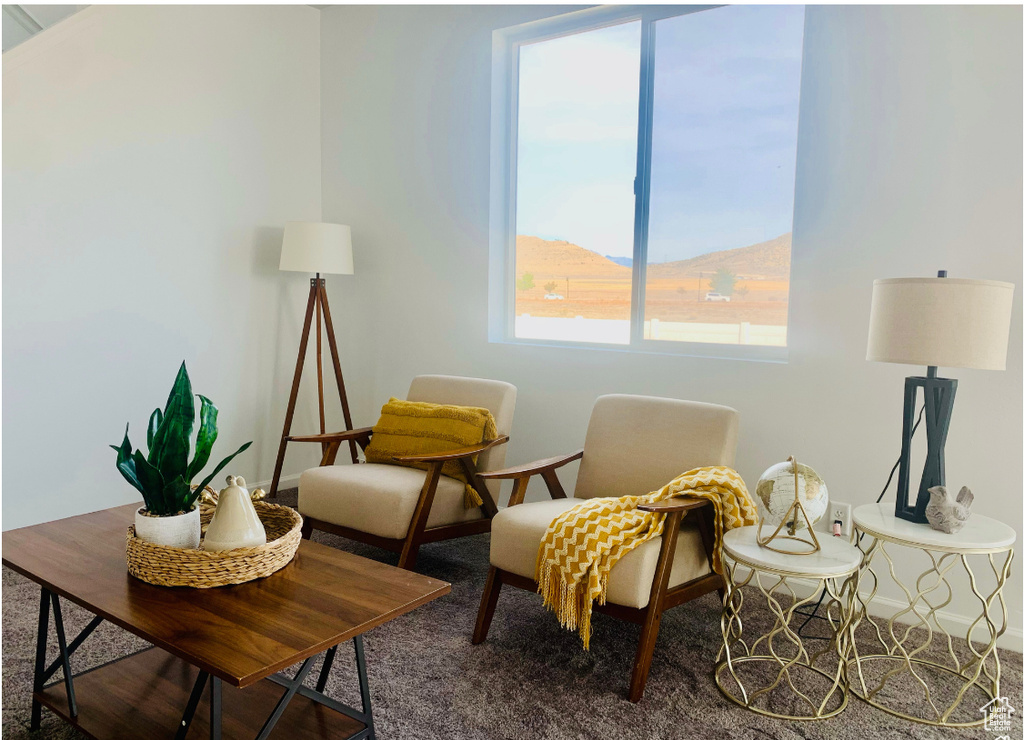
[554,297]
[716,297]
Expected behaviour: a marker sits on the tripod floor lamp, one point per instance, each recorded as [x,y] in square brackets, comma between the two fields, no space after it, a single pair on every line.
[318,248]
[940,321]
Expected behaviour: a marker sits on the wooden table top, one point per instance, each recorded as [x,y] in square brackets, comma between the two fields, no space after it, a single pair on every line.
[241,633]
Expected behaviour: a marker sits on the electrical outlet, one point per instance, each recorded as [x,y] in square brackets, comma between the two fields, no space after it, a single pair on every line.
[837,512]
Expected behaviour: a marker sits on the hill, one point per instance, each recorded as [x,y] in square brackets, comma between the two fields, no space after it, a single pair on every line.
[563,259]
[768,259]
[624,261]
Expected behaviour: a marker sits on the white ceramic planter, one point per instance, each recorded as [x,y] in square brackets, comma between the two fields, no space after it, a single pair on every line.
[183,530]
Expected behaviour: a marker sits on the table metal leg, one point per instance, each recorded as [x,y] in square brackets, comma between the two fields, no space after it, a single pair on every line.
[72,647]
[282,703]
[321,682]
[48,600]
[294,686]
[193,704]
[41,637]
[215,708]
[65,658]
[364,686]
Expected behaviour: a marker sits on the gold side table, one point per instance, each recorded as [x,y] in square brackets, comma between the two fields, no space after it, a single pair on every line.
[777,668]
[909,665]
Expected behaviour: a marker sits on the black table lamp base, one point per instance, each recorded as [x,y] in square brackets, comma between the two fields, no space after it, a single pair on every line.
[938,408]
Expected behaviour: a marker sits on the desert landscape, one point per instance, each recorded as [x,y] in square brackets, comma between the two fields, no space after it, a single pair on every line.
[593,286]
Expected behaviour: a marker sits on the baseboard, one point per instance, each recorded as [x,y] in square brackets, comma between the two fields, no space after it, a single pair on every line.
[1012,639]
[883,608]
[287,481]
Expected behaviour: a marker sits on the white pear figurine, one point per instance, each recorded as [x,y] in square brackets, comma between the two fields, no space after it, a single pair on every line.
[235,522]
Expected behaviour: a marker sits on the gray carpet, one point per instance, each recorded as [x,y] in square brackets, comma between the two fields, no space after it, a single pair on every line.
[529,680]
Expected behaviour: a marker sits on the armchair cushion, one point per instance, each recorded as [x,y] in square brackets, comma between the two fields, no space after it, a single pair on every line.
[516,534]
[637,444]
[496,396]
[417,427]
[378,499]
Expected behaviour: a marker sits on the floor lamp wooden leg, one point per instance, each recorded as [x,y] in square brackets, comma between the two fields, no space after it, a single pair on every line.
[293,397]
[320,363]
[329,325]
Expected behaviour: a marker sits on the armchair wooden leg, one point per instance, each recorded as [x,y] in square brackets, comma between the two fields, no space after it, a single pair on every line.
[644,653]
[407,560]
[307,528]
[488,602]
[411,547]
[655,606]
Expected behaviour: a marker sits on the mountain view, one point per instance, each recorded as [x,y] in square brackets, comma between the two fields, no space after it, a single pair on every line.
[556,278]
[541,257]
[546,258]
[768,259]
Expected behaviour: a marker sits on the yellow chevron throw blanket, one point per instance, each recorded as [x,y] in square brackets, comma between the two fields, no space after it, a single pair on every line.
[416,428]
[582,545]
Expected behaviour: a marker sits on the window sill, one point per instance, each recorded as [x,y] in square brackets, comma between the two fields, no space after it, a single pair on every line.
[746,353]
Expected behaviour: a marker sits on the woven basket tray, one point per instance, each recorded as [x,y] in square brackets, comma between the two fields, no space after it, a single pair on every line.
[175,566]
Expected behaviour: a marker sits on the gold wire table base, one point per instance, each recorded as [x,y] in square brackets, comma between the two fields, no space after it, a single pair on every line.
[841,692]
[783,646]
[915,634]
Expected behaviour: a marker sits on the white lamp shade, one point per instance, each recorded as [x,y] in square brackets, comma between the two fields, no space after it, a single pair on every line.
[310,246]
[946,322]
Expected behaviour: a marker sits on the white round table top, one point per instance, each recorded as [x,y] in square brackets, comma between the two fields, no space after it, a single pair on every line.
[980,534]
[837,557]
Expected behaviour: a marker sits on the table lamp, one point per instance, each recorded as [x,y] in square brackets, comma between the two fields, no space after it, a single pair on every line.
[950,322]
[318,248]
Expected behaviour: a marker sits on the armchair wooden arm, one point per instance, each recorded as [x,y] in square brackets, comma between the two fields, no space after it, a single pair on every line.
[537,467]
[331,441]
[674,509]
[670,505]
[521,474]
[342,436]
[448,455]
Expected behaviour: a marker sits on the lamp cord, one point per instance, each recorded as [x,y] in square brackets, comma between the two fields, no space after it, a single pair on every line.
[813,613]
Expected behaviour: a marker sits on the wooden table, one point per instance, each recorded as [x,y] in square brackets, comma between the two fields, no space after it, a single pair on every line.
[241,635]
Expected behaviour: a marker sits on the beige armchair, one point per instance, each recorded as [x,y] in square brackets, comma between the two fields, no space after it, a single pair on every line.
[400,508]
[634,445]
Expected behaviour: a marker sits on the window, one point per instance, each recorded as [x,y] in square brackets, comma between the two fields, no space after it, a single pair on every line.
[644,167]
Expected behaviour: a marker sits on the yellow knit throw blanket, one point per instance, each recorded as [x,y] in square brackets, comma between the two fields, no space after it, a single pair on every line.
[582,545]
[416,428]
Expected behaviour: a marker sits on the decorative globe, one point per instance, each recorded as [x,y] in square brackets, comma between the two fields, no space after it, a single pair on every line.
[777,488]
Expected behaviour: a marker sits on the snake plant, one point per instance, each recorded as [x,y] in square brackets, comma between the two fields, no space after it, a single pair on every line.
[164,477]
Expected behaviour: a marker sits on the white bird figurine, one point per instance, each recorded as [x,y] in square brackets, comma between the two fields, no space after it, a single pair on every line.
[947,515]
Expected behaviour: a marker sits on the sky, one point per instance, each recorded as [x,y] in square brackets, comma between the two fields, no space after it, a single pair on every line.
[726,93]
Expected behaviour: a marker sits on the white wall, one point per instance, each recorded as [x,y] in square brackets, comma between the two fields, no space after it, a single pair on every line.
[909,161]
[151,156]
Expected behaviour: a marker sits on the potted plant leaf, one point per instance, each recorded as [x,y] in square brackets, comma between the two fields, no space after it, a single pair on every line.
[164,476]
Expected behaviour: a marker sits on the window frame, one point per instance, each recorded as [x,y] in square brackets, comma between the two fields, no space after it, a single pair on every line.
[506,44]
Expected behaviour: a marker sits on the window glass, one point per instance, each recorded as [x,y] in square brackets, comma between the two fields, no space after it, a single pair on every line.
[723,158]
[575,164]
